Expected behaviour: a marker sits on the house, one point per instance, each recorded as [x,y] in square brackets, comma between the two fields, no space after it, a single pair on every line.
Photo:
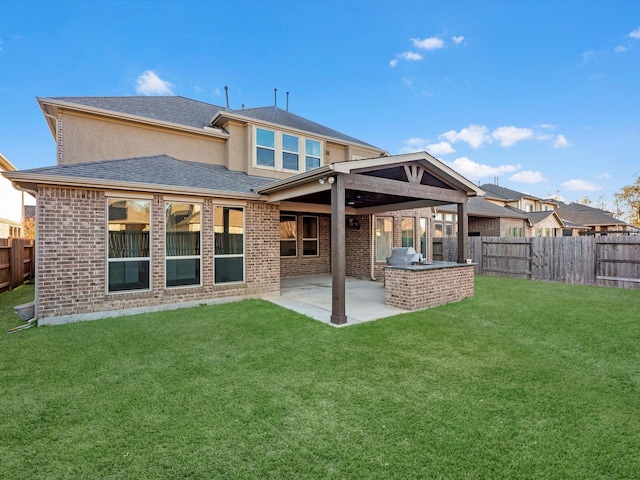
[486,219]
[12,205]
[586,220]
[158,202]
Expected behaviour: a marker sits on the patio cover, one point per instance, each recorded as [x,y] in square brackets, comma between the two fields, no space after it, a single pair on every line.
[371,186]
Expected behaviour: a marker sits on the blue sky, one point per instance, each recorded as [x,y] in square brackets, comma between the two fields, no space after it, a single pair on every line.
[543,95]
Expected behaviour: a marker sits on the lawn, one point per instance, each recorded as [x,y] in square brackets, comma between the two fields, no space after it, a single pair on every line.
[525,380]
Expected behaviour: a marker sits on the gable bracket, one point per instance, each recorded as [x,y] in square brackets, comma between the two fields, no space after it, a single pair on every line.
[414,173]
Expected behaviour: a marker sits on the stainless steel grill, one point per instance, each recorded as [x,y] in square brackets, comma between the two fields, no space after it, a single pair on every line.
[404,256]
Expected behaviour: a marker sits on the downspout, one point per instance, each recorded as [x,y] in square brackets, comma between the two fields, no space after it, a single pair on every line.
[373,246]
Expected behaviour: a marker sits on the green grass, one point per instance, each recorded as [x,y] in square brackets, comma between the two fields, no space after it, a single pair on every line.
[525,380]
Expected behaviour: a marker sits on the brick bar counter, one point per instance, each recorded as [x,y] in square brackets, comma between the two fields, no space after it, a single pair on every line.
[414,287]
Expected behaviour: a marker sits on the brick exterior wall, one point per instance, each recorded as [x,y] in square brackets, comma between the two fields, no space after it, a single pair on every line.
[425,288]
[307,265]
[358,248]
[485,227]
[71,255]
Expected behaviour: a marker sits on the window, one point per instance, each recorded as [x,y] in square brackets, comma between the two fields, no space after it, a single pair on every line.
[265,147]
[384,238]
[283,151]
[312,152]
[288,238]
[228,238]
[290,147]
[182,244]
[407,231]
[439,230]
[309,236]
[423,237]
[128,257]
[449,229]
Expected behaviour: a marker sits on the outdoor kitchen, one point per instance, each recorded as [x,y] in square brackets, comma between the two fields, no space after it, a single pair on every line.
[413,283]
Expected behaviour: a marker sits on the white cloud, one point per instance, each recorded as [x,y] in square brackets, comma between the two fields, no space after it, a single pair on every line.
[548,126]
[458,39]
[580,185]
[603,175]
[588,55]
[410,56]
[635,34]
[474,170]
[620,48]
[474,135]
[508,136]
[441,148]
[561,142]
[528,176]
[431,43]
[149,83]
[414,144]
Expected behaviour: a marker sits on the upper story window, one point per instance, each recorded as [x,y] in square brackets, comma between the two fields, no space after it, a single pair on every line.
[290,149]
[312,158]
[282,151]
[265,148]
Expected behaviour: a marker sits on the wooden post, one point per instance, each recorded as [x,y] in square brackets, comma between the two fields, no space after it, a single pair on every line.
[338,252]
[463,227]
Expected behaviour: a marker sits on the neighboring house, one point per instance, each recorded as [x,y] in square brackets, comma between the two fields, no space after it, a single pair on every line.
[485,219]
[159,201]
[585,220]
[12,204]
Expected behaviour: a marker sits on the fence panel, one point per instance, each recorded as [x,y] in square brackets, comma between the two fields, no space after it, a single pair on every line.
[16,262]
[605,261]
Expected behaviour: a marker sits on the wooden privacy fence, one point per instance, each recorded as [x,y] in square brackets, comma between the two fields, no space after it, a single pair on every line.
[16,262]
[603,261]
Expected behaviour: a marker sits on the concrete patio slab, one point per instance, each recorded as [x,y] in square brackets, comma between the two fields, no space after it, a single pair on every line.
[311,296]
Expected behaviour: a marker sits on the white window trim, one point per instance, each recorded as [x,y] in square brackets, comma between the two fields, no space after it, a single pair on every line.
[182,257]
[137,259]
[316,238]
[234,255]
[375,236]
[278,162]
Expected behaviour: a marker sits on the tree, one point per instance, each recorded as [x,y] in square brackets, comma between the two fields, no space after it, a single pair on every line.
[630,197]
[29,228]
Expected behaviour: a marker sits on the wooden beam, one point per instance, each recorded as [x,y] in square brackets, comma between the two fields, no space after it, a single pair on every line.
[338,252]
[396,206]
[463,232]
[367,183]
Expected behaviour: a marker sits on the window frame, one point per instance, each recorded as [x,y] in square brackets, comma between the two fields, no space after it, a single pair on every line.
[290,152]
[183,257]
[265,147]
[311,239]
[378,260]
[111,260]
[295,231]
[231,255]
[403,230]
[279,151]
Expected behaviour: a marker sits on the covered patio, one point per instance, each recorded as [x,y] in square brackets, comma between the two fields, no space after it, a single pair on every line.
[370,187]
[311,296]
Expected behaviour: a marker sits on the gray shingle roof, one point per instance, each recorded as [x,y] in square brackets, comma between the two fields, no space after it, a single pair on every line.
[502,193]
[480,207]
[287,119]
[160,170]
[585,215]
[193,113]
[174,109]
